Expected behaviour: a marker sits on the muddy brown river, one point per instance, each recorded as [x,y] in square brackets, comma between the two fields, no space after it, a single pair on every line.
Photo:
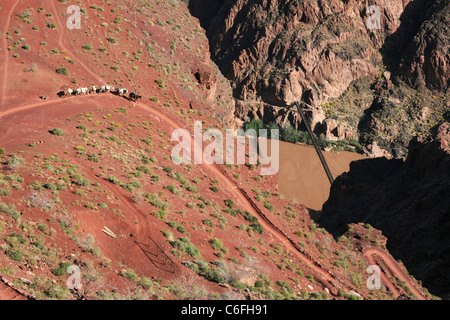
[302,178]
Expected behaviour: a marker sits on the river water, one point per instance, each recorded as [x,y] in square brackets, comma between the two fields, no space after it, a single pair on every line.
[302,178]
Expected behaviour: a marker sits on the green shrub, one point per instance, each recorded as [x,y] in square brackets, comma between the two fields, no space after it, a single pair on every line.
[177,226]
[216,244]
[161,214]
[4,192]
[103,205]
[62,70]
[15,255]
[145,169]
[57,132]
[88,46]
[9,210]
[156,202]
[356,279]
[112,40]
[229,203]
[94,158]
[185,245]
[160,83]
[62,269]
[257,227]
[38,244]
[114,180]
[79,180]
[129,274]
[15,160]
[208,222]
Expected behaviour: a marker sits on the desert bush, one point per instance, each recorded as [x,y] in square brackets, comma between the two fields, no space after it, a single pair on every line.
[41,200]
[114,180]
[15,255]
[4,192]
[177,226]
[9,210]
[79,180]
[14,162]
[156,202]
[208,222]
[62,269]
[88,46]
[161,214]
[31,68]
[145,169]
[185,245]
[229,203]
[62,70]
[129,274]
[216,244]
[87,243]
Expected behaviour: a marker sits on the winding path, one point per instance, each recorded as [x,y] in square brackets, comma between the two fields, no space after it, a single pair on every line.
[324,276]
[5,54]
[394,268]
[61,27]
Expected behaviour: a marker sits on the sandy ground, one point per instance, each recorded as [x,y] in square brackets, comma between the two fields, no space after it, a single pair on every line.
[302,177]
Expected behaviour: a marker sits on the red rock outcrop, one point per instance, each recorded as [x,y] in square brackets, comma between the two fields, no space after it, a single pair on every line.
[282,51]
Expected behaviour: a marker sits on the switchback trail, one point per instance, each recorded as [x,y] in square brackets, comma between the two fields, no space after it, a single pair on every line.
[244,199]
[394,268]
[324,276]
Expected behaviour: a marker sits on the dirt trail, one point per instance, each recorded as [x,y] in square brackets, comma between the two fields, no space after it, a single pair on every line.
[61,27]
[144,226]
[324,276]
[394,268]
[5,53]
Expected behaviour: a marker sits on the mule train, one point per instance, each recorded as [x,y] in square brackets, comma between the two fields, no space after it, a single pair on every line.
[123,92]
[35,143]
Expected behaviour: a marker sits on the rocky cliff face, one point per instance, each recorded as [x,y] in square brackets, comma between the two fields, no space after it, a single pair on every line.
[408,201]
[420,46]
[282,51]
